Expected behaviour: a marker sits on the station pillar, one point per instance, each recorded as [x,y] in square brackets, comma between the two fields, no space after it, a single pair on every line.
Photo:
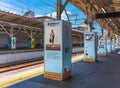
[90,46]
[12,42]
[117,42]
[58,50]
[31,43]
[109,45]
[102,45]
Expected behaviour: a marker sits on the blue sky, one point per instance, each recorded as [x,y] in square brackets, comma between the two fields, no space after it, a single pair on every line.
[42,8]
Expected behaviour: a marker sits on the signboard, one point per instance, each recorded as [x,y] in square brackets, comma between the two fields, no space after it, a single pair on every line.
[58,49]
[90,46]
[102,45]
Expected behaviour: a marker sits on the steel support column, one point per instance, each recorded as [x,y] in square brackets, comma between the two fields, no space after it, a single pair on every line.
[60,8]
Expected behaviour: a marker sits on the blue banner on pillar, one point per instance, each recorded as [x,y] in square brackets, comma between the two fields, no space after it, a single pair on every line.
[12,43]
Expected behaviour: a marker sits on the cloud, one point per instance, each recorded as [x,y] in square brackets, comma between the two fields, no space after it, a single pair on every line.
[39,15]
[14,12]
[53,14]
[8,8]
[63,16]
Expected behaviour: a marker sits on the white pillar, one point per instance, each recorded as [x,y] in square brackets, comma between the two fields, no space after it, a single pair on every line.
[102,45]
[90,46]
[58,50]
[109,45]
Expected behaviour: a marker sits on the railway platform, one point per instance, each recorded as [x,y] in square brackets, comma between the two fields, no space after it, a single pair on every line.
[18,73]
[104,73]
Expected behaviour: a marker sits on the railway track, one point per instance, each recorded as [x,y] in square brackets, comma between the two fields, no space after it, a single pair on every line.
[20,66]
[24,65]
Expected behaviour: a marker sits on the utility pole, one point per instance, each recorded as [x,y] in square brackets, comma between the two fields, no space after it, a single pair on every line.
[59,3]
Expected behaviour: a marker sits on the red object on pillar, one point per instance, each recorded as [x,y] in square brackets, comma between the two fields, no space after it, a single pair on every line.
[65,70]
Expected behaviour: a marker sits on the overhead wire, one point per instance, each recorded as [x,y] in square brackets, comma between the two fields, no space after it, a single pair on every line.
[26,5]
[33,6]
[47,4]
[37,7]
[11,8]
[53,1]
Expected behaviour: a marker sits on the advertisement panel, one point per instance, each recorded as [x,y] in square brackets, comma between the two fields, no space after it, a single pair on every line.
[53,35]
[53,62]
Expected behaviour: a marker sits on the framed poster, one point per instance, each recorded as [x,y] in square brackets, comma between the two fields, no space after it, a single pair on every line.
[52,38]
[89,37]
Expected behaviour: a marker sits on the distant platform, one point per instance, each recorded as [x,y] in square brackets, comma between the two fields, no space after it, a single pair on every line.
[10,51]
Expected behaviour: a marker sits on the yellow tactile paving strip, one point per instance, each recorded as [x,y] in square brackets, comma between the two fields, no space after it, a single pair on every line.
[18,79]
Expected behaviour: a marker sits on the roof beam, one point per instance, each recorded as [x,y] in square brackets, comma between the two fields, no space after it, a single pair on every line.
[107,15]
[115,5]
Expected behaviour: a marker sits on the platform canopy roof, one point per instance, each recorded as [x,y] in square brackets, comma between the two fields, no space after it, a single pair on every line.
[105,7]
[29,23]
[20,20]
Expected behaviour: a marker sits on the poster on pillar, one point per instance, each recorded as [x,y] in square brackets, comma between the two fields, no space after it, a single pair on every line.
[58,49]
[53,36]
[90,46]
[13,42]
[109,45]
[102,45]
